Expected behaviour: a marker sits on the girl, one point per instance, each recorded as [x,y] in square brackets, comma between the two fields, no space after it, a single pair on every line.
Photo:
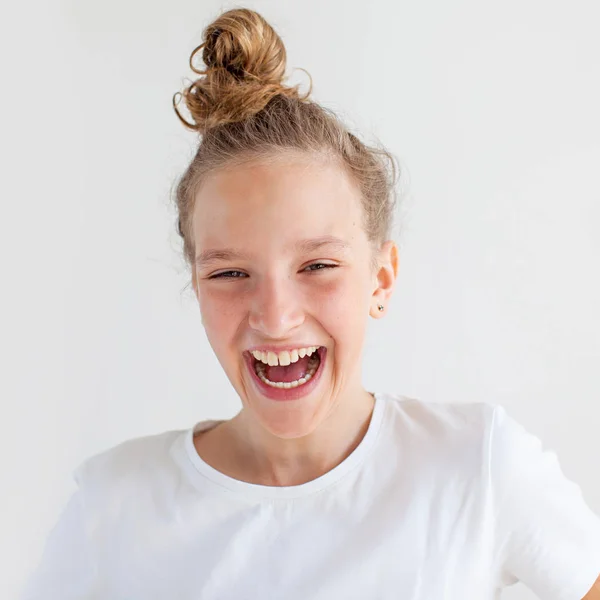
[317,489]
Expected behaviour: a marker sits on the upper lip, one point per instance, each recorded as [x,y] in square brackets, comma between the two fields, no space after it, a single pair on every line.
[274,348]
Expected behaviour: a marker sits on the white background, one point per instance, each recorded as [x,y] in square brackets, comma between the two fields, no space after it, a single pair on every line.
[493,111]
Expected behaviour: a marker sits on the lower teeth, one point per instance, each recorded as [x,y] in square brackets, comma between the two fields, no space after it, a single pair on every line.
[312,369]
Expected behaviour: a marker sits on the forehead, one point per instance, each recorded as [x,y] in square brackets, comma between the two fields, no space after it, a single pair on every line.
[275,205]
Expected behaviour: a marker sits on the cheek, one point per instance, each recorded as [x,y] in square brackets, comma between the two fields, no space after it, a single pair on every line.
[220,316]
[341,305]
[220,304]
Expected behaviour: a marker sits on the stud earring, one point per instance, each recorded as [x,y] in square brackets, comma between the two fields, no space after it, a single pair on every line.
[380,307]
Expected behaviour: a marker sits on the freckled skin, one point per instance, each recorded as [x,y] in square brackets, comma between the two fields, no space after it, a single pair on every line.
[263,211]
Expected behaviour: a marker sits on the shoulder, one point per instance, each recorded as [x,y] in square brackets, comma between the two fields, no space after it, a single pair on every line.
[443,435]
[481,435]
[129,465]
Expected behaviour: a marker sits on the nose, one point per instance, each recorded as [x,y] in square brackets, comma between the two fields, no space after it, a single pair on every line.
[276,308]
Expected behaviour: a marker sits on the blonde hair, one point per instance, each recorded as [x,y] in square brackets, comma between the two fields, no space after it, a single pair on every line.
[244,113]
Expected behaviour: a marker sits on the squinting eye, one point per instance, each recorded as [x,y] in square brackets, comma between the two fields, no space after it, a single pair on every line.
[240,275]
[228,275]
[321,266]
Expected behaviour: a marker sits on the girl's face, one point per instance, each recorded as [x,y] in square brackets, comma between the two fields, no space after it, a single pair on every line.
[282,264]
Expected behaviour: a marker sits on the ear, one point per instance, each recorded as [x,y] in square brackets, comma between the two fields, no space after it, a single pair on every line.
[385,276]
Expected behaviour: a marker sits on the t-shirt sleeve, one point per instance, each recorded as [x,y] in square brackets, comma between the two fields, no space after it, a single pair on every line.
[66,570]
[546,536]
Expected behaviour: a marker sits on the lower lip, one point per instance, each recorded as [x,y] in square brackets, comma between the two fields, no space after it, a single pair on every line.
[284,394]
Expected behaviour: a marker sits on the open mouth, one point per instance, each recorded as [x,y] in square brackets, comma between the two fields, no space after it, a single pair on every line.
[293,373]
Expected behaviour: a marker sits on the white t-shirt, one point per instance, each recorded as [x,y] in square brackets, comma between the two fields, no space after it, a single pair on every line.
[451,501]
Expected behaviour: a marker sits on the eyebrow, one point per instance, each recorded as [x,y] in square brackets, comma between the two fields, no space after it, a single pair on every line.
[303,246]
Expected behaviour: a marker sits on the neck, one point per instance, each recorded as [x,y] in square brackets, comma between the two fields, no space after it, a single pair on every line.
[263,458]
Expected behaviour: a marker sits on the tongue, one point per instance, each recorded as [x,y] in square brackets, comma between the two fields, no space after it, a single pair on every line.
[292,372]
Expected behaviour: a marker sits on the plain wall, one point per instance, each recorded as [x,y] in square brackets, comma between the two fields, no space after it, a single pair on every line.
[492,111]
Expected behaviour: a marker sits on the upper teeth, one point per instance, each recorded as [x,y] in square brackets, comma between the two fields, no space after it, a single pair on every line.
[283,358]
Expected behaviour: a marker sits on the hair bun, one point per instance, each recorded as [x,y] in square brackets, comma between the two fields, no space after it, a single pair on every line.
[244,44]
[245,66]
